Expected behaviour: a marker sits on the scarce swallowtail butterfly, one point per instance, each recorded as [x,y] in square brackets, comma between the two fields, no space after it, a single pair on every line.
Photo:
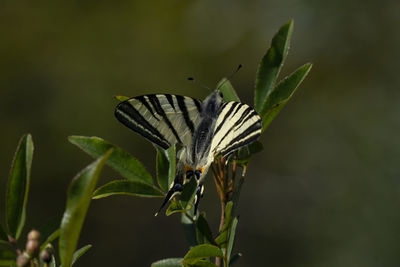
[205,129]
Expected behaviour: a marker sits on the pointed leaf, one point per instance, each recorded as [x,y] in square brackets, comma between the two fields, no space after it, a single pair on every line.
[50,238]
[79,253]
[119,160]
[165,166]
[188,193]
[18,186]
[232,232]
[78,200]
[271,64]
[127,187]
[173,262]
[121,98]
[50,231]
[200,252]
[227,90]
[222,238]
[282,93]
[189,229]
[174,207]
[203,231]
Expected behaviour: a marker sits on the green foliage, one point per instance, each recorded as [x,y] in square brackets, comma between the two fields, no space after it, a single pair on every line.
[227,90]
[271,64]
[165,167]
[127,187]
[173,262]
[119,160]
[197,254]
[18,186]
[277,99]
[270,97]
[121,97]
[78,199]
[79,253]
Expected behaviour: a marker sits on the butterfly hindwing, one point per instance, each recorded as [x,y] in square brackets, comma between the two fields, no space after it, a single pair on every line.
[237,125]
[162,119]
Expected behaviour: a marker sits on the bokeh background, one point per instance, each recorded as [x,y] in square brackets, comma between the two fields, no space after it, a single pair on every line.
[324,192]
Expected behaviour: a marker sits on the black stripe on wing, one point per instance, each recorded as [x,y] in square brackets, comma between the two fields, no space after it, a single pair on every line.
[131,118]
[156,104]
[250,135]
[183,108]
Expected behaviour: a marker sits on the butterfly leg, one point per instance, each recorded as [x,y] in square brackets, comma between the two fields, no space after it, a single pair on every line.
[199,194]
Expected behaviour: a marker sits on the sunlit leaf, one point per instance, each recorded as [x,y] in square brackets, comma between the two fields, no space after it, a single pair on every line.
[165,166]
[174,207]
[121,97]
[127,187]
[282,93]
[200,252]
[78,199]
[79,253]
[227,90]
[173,262]
[203,231]
[119,160]
[271,64]
[18,186]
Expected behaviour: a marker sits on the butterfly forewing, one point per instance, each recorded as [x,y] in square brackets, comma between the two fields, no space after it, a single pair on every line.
[162,119]
[237,125]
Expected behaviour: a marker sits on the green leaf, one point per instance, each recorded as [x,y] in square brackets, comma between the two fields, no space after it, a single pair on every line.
[18,186]
[174,207]
[201,263]
[78,200]
[50,231]
[200,252]
[119,160]
[203,231]
[231,241]
[121,98]
[3,235]
[127,187]
[7,255]
[282,93]
[227,90]
[271,64]
[79,253]
[222,238]
[188,193]
[165,166]
[50,238]
[172,262]
[189,229]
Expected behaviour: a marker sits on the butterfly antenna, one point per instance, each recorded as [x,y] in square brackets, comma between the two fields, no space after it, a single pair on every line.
[231,75]
[198,83]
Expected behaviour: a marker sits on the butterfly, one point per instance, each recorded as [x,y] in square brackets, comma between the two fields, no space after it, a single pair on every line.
[204,129]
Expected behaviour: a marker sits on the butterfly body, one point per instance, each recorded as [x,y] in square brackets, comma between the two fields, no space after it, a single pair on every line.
[204,129]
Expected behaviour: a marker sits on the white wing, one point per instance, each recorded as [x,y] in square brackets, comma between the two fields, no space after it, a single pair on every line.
[162,119]
[237,125]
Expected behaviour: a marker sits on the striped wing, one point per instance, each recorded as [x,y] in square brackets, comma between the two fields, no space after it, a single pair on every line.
[237,125]
[162,119]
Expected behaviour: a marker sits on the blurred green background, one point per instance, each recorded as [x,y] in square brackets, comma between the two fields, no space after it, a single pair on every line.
[324,192]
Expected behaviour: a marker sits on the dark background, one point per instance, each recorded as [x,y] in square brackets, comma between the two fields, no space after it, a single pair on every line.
[324,192]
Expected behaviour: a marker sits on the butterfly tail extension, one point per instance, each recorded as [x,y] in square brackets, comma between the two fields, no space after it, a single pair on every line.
[199,194]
